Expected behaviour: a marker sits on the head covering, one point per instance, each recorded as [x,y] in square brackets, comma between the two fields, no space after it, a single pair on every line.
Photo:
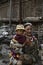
[20,26]
[27,24]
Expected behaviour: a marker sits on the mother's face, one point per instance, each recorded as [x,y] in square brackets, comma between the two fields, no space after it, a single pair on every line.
[28,30]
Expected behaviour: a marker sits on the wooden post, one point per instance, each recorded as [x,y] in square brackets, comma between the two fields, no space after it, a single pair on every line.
[10,13]
[10,17]
[20,11]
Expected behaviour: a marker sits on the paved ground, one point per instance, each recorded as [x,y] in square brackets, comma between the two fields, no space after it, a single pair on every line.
[5,57]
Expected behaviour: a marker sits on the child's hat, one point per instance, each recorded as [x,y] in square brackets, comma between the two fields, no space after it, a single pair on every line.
[20,26]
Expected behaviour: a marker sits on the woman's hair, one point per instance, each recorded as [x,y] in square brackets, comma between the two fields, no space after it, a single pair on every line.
[27,24]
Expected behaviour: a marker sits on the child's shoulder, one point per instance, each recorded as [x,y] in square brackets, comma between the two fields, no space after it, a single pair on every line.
[13,39]
[14,36]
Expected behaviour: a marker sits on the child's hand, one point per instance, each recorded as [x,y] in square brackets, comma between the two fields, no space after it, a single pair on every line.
[14,40]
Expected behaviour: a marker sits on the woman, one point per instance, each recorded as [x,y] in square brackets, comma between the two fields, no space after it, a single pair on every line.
[31,46]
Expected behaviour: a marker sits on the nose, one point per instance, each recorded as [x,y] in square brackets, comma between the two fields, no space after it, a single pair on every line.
[29,30]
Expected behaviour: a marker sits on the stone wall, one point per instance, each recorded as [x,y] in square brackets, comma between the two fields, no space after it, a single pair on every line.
[30,8]
[4,10]
[33,8]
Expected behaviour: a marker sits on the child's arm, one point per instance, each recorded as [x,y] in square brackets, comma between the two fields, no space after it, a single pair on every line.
[12,44]
[15,44]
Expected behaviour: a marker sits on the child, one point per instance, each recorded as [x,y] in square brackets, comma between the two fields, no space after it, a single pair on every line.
[18,40]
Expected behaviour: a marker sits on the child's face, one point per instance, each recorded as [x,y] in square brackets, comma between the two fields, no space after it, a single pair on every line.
[20,31]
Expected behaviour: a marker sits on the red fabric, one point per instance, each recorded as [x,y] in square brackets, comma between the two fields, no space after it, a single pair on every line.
[20,38]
